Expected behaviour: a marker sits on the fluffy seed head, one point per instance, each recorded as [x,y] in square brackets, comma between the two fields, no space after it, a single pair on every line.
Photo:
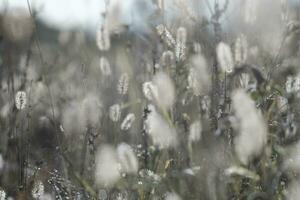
[103,38]
[20,100]
[251,127]
[181,38]
[241,50]
[127,122]
[115,112]
[165,90]
[162,133]
[38,190]
[107,166]
[127,159]
[105,66]
[198,79]
[123,84]
[225,57]
[195,131]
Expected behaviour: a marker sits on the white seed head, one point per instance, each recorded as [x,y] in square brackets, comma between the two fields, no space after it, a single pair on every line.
[172,196]
[225,57]
[38,190]
[91,109]
[197,48]
[251,127]
[165,90]
[123,84]
[103,38]
[115,112]
[168,59]
[150,90]
[198,78]
[127,159]
[162,133]
[292,84]
[166,35]
[181,38]
[20,100]
[195,131]
[107,166]
[105,66]
[128,121]
[2,195]
[241,49]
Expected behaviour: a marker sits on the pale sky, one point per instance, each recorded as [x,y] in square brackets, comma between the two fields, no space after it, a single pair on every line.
[83,14]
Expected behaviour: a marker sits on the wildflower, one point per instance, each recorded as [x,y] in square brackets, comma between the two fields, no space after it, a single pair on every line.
[38,190]
[107,166]
[241,49]
[115,112]
[91,108]
[225,57]
[168,58]
[123,84]
[195,131]
[127,158]
[102,195]
[198,78]
[103,38]
[20,100]
[252,129]
[197,48]
[172,196]
[150,90]
[127,122]
[2,194]
[73,119]
[181,38]
[292,84]
[165,90]
[166,35]
[162,133]
[105,66]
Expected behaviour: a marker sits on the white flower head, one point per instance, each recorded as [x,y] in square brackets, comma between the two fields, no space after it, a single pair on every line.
[127,122]
[172,196]
[150,90]
[2,194]
[115,112]
[21,100]
[167,58]
[162,133]
[195,131]
[225,57]
[38,190]
[103,37]
[181,38]
[104,66]
[165,90]
[252,128]
[123,84]
[241,49]
[107,170]
[198,78]
[127,158]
